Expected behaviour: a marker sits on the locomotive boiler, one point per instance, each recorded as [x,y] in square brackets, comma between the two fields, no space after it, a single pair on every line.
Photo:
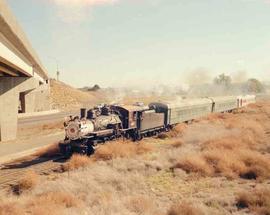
[94,126]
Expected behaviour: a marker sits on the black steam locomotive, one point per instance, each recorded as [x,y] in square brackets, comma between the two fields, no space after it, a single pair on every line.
[103,123]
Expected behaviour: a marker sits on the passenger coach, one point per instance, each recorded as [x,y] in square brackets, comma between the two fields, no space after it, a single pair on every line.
[183,111]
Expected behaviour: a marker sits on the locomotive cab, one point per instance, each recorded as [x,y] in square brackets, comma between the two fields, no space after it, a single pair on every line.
[139,121]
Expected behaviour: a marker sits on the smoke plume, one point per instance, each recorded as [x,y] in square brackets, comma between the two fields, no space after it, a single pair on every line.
[198,76]
[239,76]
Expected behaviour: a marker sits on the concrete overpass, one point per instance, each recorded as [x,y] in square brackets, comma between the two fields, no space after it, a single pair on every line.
[23,80]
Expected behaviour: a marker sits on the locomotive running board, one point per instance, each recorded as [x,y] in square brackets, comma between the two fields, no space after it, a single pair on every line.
[102,133]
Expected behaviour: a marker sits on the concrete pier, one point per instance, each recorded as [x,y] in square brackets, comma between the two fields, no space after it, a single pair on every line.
[10,90]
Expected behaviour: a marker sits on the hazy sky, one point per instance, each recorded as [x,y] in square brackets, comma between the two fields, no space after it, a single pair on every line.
[125,42]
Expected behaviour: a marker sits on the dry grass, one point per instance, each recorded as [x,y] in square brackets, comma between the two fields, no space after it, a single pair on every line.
[236,155]
[227,143]
[120,149]
[64,199]
[257,202]
[109,151]
[255,106]
[10,208]
[140,205]
[184,208]
[76,161]
[48,151]
[231,156]
[177,143]
[42,204]
[194,163]
[246,124]
[163,136]
[246,164]
[257,164]
[177,130]
[218,116]
[28,182]
[224,163]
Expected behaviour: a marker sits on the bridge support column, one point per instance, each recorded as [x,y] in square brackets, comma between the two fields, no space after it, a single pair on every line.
[8,109]
[10,88]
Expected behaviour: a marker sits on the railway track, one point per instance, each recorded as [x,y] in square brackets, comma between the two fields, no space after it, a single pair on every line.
[10,174]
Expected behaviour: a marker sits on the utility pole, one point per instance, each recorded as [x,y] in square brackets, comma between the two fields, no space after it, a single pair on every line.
[57,68]
[57,73]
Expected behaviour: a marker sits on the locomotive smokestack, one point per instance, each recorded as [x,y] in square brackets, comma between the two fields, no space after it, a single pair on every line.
[83,113]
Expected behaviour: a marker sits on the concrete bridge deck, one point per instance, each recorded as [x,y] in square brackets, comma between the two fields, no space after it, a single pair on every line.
[17,56]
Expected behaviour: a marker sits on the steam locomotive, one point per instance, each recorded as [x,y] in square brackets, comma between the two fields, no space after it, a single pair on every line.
[102,123]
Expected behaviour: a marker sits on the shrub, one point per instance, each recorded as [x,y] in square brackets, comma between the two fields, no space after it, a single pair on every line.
[194,163]
[258,201]
[27,182]
[120,149]
[244,163]
[77,161]
[224,162]
[257,164]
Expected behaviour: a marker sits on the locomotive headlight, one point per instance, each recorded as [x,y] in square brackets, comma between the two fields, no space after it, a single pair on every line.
[73,130]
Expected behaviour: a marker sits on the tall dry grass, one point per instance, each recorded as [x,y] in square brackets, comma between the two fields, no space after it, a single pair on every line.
[48,151]
[140,205]
[63,199]
[176,131]
[232,156]
[10,208]
[27,183]
[47,203]
[246,164]
[121,149]
[109,151]
[194,164]
[184,208]
[177,143]
[258,202]
[76,161]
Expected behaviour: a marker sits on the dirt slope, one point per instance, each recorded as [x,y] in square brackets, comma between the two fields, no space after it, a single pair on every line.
[65,97]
